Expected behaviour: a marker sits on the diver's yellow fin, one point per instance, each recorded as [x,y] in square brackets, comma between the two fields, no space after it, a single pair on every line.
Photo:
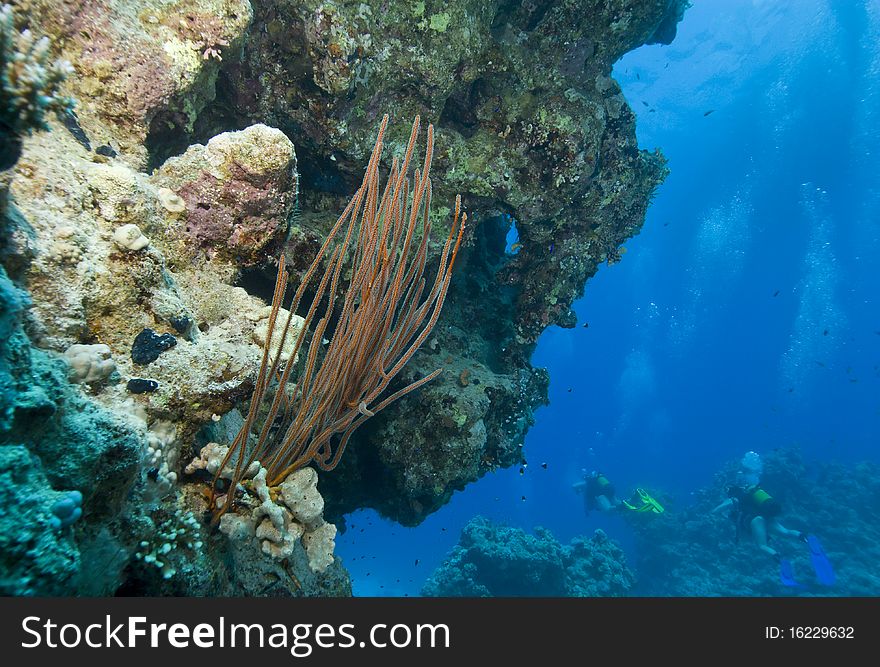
[650,503]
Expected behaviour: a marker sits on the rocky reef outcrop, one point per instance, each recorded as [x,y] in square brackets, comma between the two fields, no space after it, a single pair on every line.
[692,552]
[530,128]
[499,561]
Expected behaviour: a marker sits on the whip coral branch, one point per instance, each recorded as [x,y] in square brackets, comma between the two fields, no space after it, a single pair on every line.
[387,312]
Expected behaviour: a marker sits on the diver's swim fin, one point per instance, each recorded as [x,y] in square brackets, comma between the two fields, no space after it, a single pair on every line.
[648,504]
[786,573]
[821,564]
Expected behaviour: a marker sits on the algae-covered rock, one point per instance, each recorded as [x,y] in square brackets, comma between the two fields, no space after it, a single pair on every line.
[121,450]
[529,121]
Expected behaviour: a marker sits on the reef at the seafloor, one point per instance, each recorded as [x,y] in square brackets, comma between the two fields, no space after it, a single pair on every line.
[492,560]
[138,236]
[692,552]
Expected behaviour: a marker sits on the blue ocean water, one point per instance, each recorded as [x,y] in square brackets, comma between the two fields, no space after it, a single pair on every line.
[745,316]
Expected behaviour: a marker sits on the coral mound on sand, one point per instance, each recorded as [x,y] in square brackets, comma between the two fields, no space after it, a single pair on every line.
[498,561]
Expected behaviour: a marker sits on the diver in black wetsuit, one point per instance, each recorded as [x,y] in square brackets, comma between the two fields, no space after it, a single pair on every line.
[598,493]
[755,510]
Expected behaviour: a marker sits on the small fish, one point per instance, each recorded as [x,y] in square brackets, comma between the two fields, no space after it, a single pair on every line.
[516,246]
[586,325]
[522,471]
[776,293]
[523,498]
[638,77]
[544,466]
[821,364]
[652,110]
[666,66]
[569,390]
[552,246]
[417,561]
[791,390]
[708,112]
[825,333]
[645,103]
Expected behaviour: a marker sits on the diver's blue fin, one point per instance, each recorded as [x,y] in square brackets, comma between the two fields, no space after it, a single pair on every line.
[786,573]
[821,564]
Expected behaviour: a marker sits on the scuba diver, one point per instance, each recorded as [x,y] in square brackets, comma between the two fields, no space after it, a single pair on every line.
[756,511]
[599,494]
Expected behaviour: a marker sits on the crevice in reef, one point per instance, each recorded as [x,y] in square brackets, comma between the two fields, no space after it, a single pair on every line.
[515,12]
[479,298]
[322,176]
[172,131]
[458,112]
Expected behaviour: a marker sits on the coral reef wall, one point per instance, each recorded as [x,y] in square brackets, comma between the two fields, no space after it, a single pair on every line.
[530,127]
[690,551]
[499,561]
[124,333]
[137,239]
